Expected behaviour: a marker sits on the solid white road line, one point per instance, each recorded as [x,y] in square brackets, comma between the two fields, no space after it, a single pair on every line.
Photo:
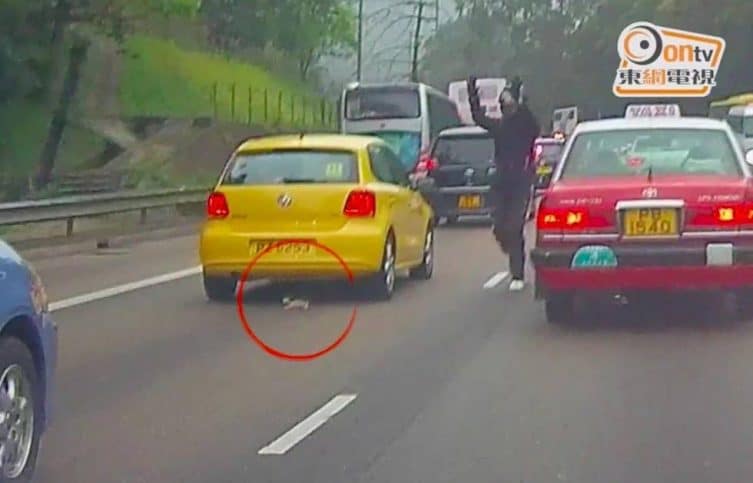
[495,280]
[285,442]
[121,289]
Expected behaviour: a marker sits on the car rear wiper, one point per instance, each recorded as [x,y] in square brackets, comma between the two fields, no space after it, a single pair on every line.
[297,180]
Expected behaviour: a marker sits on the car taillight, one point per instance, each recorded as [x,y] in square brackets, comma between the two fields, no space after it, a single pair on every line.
[361,204]
[724,215]
[569,219]
[538,150]
[426,164]
[217,206]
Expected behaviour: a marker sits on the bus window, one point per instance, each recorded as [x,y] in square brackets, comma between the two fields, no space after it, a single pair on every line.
[388,102]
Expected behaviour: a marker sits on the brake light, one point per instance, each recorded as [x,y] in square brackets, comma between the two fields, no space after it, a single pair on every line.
[574,219]
[538,151]
[217,206]
[426,164]
[725,215]
[360,204]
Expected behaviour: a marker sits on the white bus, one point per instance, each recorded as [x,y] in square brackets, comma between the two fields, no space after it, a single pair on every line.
[564,120]
[488,92]
[408,116]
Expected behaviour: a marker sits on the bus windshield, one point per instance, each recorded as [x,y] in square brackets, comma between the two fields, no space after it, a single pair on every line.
[393,102]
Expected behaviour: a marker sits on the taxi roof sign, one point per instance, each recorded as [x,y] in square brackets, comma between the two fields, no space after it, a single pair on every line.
[652,110]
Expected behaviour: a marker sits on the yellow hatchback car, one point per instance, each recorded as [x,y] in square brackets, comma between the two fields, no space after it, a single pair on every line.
[348,193]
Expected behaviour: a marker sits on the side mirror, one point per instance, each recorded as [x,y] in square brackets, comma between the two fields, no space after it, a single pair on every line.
[749,157]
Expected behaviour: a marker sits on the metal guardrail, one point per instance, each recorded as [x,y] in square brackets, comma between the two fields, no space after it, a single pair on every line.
[71,207]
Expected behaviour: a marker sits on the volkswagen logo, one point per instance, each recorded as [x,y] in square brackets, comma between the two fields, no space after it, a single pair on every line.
[650,193]
[284,200]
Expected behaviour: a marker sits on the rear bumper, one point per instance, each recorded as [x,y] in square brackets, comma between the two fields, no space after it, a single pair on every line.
[445,201]
[653,268]
[225,253]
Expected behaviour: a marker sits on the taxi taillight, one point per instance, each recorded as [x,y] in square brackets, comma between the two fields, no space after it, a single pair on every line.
[724,215]
[217,206]
[548,219]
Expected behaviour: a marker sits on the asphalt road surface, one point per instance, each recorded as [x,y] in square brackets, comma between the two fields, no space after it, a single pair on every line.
[454,380]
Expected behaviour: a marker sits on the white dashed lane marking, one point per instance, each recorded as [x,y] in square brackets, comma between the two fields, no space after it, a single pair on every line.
[495,280]
[300,431]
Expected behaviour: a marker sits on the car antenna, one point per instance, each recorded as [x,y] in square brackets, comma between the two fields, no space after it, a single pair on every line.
[300,135]
[650,174]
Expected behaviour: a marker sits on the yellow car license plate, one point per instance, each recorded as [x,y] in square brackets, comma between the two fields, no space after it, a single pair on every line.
[648,222]
[545,169]
[469,202]
[258,246]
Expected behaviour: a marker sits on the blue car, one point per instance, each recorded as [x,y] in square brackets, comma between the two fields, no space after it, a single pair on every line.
[28,357]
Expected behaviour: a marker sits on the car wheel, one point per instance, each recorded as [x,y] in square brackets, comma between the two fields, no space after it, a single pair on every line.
[559,308]
[381,285]
[426,269]
[219,289]
[451,220]
[20,411]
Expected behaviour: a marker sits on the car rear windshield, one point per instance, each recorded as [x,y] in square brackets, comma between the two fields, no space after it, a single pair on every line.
[662,151]
[291,167]
[464,150]
[382,103]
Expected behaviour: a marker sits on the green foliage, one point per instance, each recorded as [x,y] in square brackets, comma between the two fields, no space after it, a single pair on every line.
[305,29]
[160,79]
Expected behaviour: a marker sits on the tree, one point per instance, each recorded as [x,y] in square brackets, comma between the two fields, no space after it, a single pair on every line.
[76,20]
[568,55]
[310,29]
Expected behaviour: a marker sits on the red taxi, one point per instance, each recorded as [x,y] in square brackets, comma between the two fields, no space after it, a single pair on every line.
[645,205]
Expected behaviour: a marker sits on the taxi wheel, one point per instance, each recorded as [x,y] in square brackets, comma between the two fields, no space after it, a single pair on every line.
[426,269]
[559,308]
[381,285]
[220,289]
[21,410]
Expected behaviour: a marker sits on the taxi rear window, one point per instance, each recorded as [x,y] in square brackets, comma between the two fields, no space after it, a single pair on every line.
[292,167]
[662,151]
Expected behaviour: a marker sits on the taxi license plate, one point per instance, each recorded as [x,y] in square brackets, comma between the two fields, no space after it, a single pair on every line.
[258,246]
[650,222]
[470,202]
[541,170]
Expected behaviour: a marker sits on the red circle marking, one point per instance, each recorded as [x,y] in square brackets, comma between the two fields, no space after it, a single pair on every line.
[247,327]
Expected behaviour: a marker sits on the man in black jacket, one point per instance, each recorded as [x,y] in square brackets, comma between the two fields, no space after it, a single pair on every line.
[513,136]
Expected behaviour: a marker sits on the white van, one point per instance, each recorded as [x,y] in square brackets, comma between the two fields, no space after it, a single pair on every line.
[740,119]
[488,92]
[408,116]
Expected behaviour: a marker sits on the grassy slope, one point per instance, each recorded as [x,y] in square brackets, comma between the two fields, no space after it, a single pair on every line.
[23,128]
[158,79]
[161,79]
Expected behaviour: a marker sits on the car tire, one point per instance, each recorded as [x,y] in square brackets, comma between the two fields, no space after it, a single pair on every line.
[219,288]
[559,308]
[381,285]
[16,362]
[426,269]
[451,220]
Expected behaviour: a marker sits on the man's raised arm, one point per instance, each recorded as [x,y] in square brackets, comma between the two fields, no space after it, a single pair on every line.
[477,111]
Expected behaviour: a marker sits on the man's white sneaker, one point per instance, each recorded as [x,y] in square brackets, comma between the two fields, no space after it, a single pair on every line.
[517,285]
